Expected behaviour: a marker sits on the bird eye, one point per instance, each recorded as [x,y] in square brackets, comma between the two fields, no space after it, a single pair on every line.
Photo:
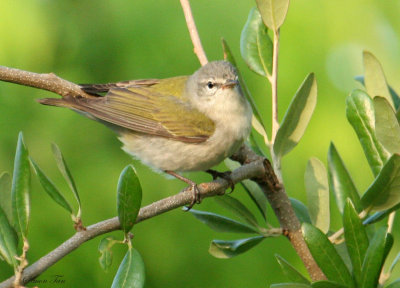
[210,85]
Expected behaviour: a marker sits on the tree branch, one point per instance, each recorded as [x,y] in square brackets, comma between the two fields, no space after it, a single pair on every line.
[185,197]
[194,35]
[279,201]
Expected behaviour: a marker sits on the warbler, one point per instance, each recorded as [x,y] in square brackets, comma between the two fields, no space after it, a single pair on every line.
[178,124]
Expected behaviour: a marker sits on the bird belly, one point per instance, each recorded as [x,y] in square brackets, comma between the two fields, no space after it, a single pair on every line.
[166,154]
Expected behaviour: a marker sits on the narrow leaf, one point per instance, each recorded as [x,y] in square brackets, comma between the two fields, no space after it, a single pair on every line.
[301,210]
[393,93]
[20,188]
[375,80]
[228,249]
[273,12]
[377,216]
[131,272]
[221,223]
[356,239]
[316,182]
[395,284]
[340,182]
[255,45]
[297,116]
[384,192]
[62,166]
[50,188]
[8,240]
[106,256]
[327,284]
[373,261]
[252,189]
[394,263]
[237,208]
[290,285]
[5,194]
[291,273]
[326,255]
[361,115]
[129,198]
[386,125]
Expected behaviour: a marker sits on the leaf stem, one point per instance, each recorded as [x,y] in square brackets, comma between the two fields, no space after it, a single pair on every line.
[390,221]
[274,86]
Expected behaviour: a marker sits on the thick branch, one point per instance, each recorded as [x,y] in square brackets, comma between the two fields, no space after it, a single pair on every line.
[277,197]
[185,197]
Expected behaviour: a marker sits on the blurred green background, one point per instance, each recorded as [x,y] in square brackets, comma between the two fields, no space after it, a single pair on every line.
[104,41]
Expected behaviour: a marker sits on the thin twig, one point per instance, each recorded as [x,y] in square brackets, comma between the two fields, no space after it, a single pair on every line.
[390,221]
[194,35]
[274,87]
[185,197]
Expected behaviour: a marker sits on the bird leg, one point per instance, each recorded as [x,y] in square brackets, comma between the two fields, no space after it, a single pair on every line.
[224,175]
[193,187]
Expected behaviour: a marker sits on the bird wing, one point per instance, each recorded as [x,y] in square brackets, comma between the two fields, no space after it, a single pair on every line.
[146,109]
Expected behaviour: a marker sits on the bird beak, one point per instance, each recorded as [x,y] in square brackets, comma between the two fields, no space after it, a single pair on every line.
[230,84]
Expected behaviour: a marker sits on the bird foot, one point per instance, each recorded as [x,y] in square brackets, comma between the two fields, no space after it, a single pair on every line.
[193,187]
[224,175]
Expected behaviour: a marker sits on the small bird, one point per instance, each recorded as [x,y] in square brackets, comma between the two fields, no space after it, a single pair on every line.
[178,124]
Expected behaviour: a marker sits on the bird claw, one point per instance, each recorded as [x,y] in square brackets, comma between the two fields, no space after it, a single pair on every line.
[224,175]
[196,196]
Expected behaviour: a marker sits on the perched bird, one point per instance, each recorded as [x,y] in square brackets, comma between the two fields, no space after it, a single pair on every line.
[185,123]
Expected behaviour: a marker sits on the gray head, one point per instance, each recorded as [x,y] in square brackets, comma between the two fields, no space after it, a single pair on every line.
[212,78]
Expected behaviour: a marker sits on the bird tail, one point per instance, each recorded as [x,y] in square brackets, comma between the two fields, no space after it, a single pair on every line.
[55,102]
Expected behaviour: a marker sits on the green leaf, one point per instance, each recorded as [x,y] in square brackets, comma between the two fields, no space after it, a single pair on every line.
[221,223]
[290,285]
[340,182]
[395,96]
[316,182]
[255,45]
[395,284]
[297,116]
[5,194]
[20,188]
[291,273]
[356,238]
[377,216]
[273,12]
[326,255]
[384,192]
[227,249]
[301,210]
[237,208]
[62,166]
[229,57]
[327,284]
[131,273]
[373,261]
[375,81]
[8,240]
[387,127]
[50,188]
[361,115]
[106,256]
[129,198]
[395,261]
[252,189]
